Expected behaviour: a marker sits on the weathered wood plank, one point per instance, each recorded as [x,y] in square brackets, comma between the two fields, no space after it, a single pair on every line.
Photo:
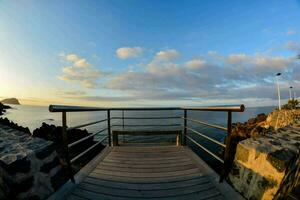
[147,186]
[147,175]
[143,179]
[145,165]
[147,170]
[143,159]
[150,162]
[167,172]
[146,193]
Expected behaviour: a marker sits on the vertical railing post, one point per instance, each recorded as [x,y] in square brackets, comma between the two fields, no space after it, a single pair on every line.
[185,126]
[108,127]
[227,161]
[65,145]
[123,124]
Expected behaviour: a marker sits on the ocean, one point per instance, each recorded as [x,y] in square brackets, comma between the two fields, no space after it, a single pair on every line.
[33,117]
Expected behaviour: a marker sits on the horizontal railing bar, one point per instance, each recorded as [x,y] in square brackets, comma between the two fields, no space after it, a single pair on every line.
[85,138]
[206,124]
[240,108]
[62,108]
[205,149]
[88,124]
[145,125]
[146,108]
[206,137]
[146,117]
[79,155]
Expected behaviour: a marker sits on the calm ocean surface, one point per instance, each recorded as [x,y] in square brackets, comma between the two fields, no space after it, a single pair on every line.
[33,116]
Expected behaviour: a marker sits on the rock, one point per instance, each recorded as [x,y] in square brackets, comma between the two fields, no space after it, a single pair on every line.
[267,166]
[15,126]
[3,108]
[11,101]
[27,165]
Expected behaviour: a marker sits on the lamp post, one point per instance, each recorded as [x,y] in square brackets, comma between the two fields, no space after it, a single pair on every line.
[290,90]
[278,90]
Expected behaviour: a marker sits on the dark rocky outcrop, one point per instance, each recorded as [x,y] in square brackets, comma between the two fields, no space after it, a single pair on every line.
[3,108]
[54,133]
[11,101]
[15,126]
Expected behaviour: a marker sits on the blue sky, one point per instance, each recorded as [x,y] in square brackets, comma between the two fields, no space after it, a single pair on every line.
[139,52]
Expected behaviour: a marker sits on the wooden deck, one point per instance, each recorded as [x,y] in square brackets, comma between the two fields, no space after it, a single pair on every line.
[160,172]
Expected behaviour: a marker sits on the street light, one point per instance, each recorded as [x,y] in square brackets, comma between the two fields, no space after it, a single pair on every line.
[290,90]
[278,90]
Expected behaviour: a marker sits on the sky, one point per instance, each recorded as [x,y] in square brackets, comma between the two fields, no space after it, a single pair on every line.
[149,53]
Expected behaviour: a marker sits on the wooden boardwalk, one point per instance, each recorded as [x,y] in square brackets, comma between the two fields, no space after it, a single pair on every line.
[160,172]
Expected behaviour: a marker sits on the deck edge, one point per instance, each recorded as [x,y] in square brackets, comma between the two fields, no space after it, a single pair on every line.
[68,187]
[225,189]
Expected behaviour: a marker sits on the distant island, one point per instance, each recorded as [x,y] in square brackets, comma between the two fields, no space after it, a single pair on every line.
[11,101]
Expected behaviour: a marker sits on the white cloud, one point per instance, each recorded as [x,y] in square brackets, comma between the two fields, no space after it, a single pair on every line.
[237,58]
[82,63]
[231,77]
[72,57]
[167,55]
[129,52]
[195,64]
[81,72]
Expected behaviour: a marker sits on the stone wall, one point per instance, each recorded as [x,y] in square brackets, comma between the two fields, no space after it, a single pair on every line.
[29,166]
[282,118]
[267,166]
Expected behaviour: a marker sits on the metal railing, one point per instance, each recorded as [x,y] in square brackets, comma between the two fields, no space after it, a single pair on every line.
[186,129]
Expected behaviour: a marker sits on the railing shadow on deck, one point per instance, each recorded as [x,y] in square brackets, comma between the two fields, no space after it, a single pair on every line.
[185,128]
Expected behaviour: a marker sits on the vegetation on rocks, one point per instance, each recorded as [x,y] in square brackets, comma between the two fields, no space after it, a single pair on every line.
[292,104]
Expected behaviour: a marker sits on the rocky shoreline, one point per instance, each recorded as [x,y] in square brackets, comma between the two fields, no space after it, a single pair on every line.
[33,165]
[3,108]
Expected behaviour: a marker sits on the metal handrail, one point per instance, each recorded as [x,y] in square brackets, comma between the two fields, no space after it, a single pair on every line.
[85,138]
[205,149]
[146,117]
[206,137]
[61,108]
[145,125]
[84,125]
[240,108]
[79,155]
[206,124]
[228,109]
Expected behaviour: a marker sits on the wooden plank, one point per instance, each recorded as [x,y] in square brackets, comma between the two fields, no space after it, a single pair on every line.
[146,132]
[151,172]
[147,186]
[148,149]
[145,165]
[147,170]
[224,188]
[146,193]
[146,154]
[209,194]
[67,188]
[146,175]
[143,179]
[145,159]
[149,162]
